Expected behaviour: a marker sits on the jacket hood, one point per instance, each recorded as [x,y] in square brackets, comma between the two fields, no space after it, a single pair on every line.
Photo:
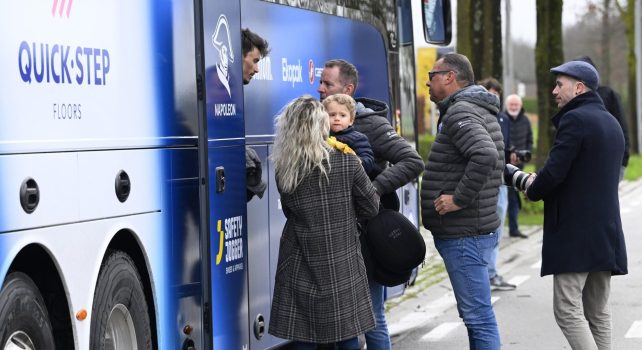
[368,106]
[474,94]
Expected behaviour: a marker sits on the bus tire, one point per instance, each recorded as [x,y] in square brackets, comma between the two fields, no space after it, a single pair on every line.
[120,317]
[23,315]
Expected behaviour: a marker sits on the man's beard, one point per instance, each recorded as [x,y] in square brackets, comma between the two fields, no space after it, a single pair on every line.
[513,114]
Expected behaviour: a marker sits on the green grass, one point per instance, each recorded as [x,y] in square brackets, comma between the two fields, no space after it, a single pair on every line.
[634,169]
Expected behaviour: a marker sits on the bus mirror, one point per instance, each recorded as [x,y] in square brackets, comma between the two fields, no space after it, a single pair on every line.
[437,21]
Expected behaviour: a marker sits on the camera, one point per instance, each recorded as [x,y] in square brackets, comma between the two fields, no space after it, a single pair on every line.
[523,155]
[515,178]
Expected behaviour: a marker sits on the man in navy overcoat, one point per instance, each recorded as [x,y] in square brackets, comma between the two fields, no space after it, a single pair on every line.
[583,240]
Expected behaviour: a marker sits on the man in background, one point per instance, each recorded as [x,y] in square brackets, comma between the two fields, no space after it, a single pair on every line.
[496,280]
[521,146]
[613,104]
[340,76]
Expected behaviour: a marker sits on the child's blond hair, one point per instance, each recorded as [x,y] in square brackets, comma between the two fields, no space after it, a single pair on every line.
[344,100]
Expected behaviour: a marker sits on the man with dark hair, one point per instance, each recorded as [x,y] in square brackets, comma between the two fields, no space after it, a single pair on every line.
[340,76]
[613,104]
[496,280]
[459,190]
[254,48]
[583,240]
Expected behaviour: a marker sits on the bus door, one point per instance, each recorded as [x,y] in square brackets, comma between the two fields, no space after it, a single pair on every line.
[225,173]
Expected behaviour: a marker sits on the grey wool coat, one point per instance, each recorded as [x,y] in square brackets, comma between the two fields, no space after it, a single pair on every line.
[321,290]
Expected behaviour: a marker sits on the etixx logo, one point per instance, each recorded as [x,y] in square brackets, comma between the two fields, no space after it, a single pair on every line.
[223,43]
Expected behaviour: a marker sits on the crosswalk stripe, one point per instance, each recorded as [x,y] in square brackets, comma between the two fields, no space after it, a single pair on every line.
[537,265]
[635,331]
[493,300]
[441,331]
[519,279]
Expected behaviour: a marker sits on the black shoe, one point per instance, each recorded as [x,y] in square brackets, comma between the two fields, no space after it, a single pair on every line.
[517,234]
[498,283]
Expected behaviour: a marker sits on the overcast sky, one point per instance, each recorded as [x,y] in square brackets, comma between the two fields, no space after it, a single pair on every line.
[523,21]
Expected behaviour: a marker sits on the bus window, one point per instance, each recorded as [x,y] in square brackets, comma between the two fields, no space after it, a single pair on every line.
[437,21]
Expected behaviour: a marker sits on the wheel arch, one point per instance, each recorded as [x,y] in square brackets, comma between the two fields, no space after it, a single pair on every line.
[36,261]
[125,240]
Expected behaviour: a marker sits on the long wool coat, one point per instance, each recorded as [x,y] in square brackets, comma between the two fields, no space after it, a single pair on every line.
[321,290]
[579,186]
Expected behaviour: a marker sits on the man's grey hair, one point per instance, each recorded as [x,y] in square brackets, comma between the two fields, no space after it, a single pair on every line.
[347,71]
[462,67]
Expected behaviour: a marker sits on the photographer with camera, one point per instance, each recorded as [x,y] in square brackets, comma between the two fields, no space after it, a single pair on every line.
[583,241]
[521,145]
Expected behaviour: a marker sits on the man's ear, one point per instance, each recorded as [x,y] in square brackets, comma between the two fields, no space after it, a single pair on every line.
[348,89]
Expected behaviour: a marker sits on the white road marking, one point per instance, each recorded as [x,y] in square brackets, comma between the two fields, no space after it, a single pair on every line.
[625,210]
[519,279]
[441,331]
[424,314]
[635,331]
[537,265]
[493,300]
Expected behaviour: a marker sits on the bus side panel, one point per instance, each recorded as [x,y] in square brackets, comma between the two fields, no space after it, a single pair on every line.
[223,61]
[301,41]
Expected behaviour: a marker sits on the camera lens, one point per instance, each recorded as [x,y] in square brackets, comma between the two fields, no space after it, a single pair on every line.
[515,178]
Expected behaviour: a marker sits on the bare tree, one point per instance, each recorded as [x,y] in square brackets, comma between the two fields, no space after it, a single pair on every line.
[548,54]
[479,36]
[628,15]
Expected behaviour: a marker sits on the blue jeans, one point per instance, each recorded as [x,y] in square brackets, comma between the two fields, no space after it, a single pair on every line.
[513,210]
[349,344]
[378,338]
[502,205]
[466,261]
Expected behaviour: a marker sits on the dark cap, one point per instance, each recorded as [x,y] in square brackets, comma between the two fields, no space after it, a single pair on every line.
[581,71]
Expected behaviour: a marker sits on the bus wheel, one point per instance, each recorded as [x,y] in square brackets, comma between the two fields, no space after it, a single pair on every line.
[120,318]
[23,315]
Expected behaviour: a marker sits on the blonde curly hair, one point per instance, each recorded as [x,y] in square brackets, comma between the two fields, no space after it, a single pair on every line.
[300,146]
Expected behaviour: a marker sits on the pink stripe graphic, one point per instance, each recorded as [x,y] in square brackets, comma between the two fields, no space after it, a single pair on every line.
[62,6]
[69,7]
[53,9]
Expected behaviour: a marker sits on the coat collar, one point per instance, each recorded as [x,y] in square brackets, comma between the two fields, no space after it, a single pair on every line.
[585,98]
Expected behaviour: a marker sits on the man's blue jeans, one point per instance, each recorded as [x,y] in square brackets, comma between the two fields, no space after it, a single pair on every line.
[378,338]
[466,261]
[502,206]
[513,211]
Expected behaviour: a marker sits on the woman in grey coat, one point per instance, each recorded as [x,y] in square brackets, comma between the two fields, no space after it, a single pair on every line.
[321,288]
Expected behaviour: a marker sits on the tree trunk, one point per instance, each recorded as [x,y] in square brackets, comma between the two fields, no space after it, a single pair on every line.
[464,28]
[628,15]
[605,68]
[548,54]
[479,36]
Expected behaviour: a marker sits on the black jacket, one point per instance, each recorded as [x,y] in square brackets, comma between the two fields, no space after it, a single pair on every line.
[466,160]
[360,145]
[388,147]
[614,106]
[579,186]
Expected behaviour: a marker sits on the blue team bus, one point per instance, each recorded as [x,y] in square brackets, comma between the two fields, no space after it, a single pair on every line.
[123,127]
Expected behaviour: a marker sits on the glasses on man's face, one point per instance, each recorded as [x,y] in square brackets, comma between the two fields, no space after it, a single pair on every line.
[433,73]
